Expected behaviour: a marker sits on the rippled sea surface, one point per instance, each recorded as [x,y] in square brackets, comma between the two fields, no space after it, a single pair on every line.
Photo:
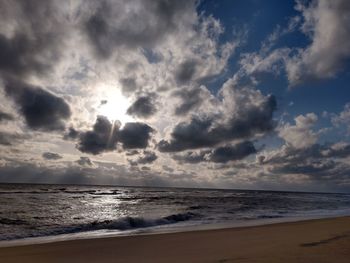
[49,210]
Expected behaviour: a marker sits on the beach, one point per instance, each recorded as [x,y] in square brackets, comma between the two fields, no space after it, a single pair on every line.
[320,240]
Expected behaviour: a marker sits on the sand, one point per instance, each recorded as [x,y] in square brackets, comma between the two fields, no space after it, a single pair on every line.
[323,240]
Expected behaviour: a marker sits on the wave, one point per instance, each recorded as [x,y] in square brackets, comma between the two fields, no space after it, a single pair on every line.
[121,224]
[196,207]
[128,223]
[8,221]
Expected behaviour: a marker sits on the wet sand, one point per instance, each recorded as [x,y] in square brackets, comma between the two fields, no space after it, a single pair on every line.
[319,241]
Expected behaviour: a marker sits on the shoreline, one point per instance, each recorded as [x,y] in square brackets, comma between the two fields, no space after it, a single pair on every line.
[101,234]
[106,233]
[286,241]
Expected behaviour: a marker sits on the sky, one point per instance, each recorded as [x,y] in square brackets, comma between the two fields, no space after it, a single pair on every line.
[242,94]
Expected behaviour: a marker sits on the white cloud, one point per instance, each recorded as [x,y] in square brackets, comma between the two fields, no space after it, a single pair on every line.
[343,118]
[327,23]
[301,134]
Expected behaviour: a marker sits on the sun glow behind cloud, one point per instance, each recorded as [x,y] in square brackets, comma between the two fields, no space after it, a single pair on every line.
[113,105]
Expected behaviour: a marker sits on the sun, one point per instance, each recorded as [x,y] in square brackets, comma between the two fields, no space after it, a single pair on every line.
[114,105]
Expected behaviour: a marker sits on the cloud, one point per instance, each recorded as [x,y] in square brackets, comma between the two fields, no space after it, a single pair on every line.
[300,135]
[131,152]
[192,157]
[105,135]
[185,71]
[143,107]
[27,45]
[343,118]
[17,55]
[327,25]
[312,168]
[222,154]
[71,134]
[110,25]
[247,113]
[191,99]
[102,138]
[231,153]
[41,109]
[135,135]
[51,156]
[319,163]
[11,138]
[195,134]
[84,161]
[146,158]
[128,85]
[272,62]
[337,150]
[6,116]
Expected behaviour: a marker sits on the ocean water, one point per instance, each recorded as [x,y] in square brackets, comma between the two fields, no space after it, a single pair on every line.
[37,211]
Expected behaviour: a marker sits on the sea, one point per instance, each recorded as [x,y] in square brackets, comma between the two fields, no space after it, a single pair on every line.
[46,213]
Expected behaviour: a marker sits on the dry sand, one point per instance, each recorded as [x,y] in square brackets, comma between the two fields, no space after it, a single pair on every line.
[312,241]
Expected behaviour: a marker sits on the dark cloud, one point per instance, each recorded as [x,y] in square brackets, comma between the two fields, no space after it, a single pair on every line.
[191,98]
[102,138]
[51,156]
[313,168]
[146,158]
[5,116]
[105,136]
[35,44]
[17,55]
[231,153]
[129,85]
[185,71]
[205,132]
[221,154]
[337,150]
[84,161]
[41,109]
[110,25]
[71,134]
[143,107]
[192,135]
[191,157]
[135,135]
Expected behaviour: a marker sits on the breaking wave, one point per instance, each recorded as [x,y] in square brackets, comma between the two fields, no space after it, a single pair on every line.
[122,224]
[127,223]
